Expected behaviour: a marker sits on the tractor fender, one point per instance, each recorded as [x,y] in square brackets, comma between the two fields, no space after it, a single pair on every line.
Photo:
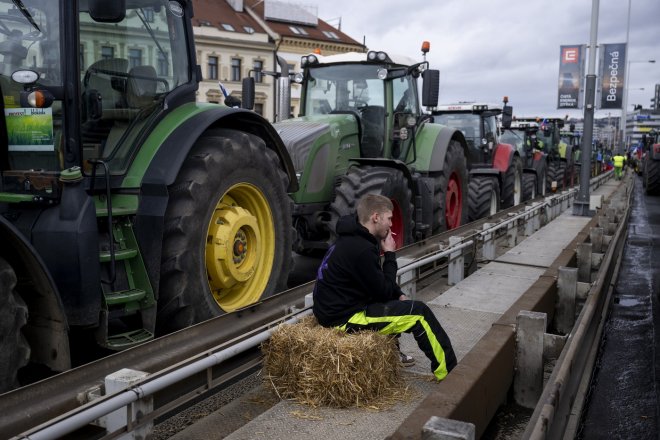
[503,157]
[391,163]
[432,144]
[491,172]
[173,149]
[47,328]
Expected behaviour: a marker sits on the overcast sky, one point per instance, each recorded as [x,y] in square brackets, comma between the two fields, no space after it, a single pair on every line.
[486,49]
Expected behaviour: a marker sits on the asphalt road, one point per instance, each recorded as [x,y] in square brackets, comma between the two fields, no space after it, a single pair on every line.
[623,397]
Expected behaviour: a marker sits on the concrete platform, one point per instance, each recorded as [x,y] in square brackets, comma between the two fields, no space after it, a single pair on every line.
[466,311]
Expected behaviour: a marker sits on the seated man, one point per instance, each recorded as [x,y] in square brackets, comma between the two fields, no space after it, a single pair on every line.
[354,292]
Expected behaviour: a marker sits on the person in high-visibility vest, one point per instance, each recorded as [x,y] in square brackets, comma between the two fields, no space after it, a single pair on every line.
[618,165]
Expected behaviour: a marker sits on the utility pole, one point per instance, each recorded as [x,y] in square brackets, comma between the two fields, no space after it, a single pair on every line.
[581,205]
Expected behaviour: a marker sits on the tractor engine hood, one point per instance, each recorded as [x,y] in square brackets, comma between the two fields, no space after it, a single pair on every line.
[300,135]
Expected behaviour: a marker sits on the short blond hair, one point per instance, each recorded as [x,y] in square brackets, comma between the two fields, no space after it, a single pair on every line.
[370,204]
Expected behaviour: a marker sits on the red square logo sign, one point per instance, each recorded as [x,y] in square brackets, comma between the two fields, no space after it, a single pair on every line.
[570,55]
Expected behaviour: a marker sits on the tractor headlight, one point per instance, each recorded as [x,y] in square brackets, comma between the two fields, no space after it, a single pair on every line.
[377,56]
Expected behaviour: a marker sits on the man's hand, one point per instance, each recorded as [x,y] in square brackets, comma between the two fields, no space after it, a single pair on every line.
[403,298]
[388,245]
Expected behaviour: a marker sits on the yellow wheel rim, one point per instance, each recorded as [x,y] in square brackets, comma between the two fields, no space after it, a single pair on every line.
[240,247]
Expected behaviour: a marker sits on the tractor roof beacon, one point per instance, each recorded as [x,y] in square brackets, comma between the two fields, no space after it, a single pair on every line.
[361,129]
[127,209]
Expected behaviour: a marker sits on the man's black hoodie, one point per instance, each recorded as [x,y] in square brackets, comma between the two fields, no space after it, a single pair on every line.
[350,276]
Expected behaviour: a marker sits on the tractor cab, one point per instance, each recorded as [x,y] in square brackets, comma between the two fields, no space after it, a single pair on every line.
[478,121]
[523,135]
[114,89]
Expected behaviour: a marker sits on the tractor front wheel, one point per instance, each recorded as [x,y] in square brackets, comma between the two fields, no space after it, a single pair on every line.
[227,236]
[512,184]
[483,197]
[14,348]
[555,175]
[652,177]
[449,192]
[529,187]
[388,182]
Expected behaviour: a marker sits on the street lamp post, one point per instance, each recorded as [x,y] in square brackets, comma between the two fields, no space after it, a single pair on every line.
[624,113]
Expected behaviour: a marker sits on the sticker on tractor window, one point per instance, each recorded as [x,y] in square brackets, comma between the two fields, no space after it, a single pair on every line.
[30,129]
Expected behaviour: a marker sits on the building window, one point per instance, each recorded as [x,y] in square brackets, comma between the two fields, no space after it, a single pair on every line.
[248,29]
[331,35]
[82,58]
[107,52]
[298,30]
[235,69]
[259,109]
[228,27]
[258,67]
[134,57]
[212,71]
[163,64]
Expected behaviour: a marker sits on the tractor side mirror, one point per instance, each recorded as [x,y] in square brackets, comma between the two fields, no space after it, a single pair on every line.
[507,116]
[430,88]
[104,11]
[247,92]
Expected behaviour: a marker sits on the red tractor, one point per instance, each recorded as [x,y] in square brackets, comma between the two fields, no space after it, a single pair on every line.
[495,168]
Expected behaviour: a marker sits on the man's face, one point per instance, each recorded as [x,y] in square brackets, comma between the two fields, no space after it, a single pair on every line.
[382,223]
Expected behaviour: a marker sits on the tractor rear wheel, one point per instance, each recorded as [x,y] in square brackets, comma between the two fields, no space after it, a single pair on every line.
[556,171]
[483,197]
[541,172]
[529,187]
[388,182]
[652,177]
[512,184]
[227,237]
[449,191]
[14,348]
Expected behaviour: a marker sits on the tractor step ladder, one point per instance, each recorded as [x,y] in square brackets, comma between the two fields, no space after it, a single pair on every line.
[136,296]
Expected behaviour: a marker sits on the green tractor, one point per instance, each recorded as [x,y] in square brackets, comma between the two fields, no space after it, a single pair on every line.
[561,173]
[127,209]
[523,136]
[361,130]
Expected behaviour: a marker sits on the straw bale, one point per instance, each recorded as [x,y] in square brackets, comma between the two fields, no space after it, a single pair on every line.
[321,366]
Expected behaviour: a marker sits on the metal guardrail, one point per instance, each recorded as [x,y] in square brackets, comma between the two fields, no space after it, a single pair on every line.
[547,209]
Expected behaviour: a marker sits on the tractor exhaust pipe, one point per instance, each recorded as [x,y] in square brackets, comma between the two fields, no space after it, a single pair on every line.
[283,102]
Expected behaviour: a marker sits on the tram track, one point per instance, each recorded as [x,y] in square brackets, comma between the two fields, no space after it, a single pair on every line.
[38,403]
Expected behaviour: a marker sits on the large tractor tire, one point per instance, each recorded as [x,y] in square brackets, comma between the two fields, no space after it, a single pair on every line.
[14,348]
[388,182]
[541,173]
[483,197]
[227,238]
[529,187]
[450,191]
[652,177]
[556,171]
[512,184]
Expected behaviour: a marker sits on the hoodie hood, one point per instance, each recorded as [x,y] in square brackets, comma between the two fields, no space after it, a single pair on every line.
[349,225]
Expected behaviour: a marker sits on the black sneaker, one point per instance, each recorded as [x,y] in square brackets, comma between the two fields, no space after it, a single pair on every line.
[406,361]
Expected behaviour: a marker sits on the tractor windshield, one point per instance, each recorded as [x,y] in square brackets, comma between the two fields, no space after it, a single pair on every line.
[468,123]
[126,70]
[30,41]
[340,88]
[513,137]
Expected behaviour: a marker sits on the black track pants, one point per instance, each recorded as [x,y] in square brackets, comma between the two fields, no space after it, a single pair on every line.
[395,317]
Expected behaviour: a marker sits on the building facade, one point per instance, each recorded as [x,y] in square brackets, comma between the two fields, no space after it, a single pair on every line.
[239,38]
